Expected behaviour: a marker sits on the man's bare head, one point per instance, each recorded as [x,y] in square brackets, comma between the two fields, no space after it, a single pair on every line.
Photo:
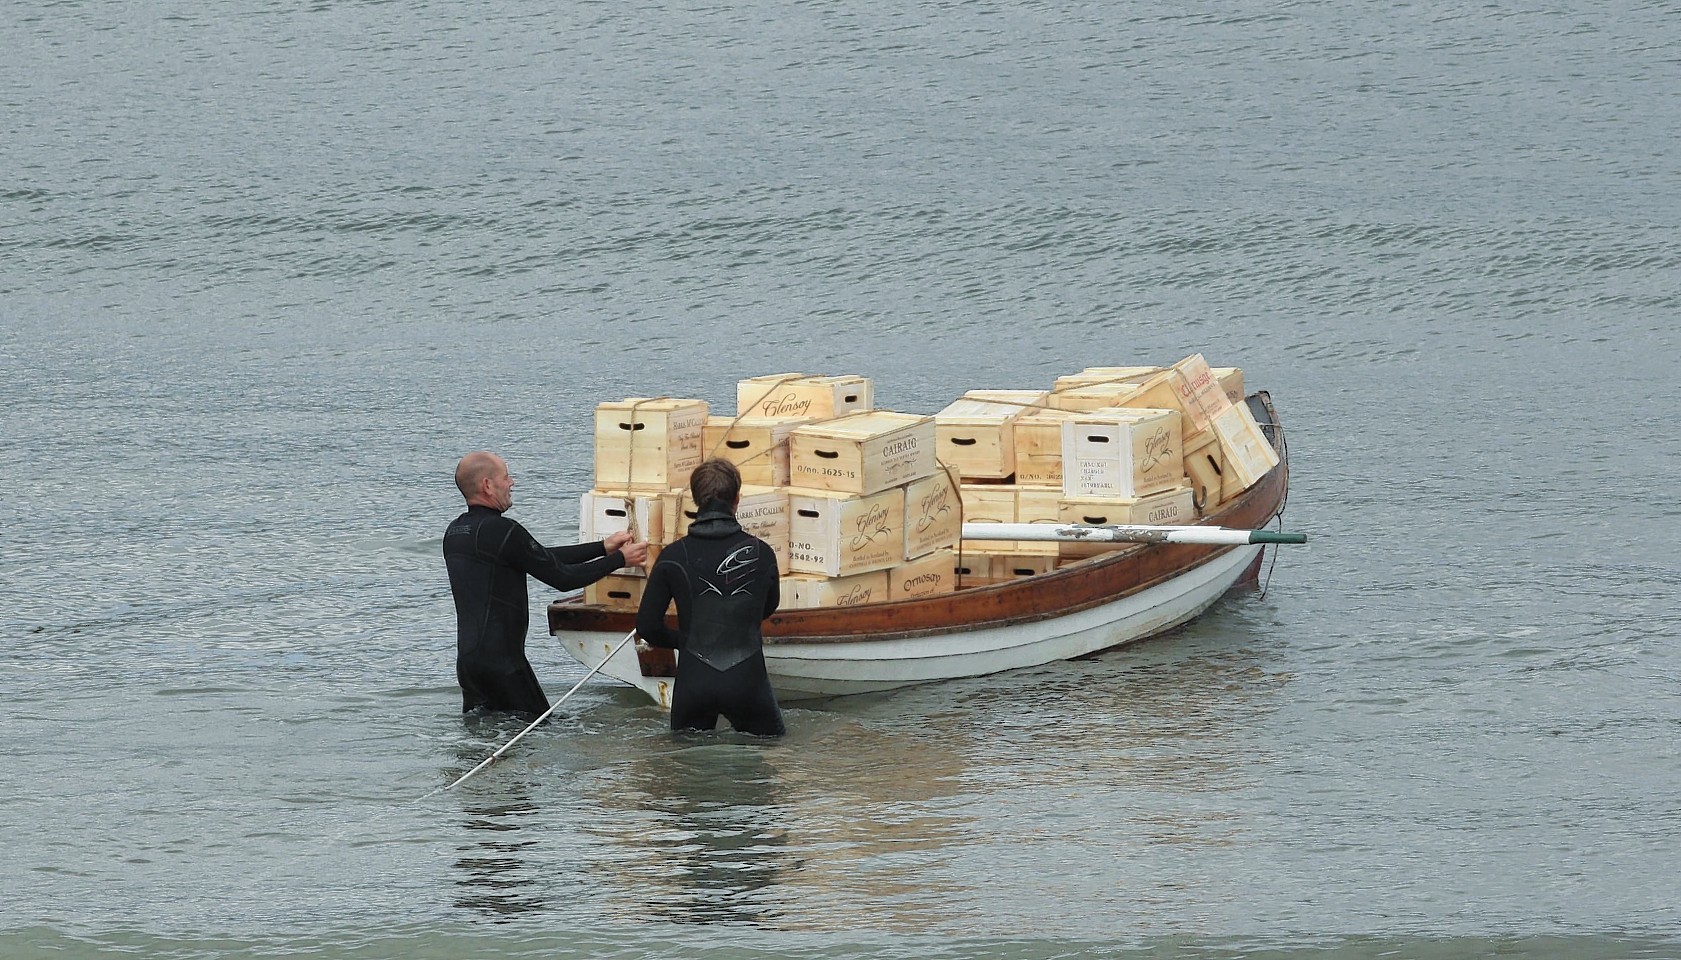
[483,479]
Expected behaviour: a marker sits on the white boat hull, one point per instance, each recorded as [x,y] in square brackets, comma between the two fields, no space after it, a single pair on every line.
[804,671]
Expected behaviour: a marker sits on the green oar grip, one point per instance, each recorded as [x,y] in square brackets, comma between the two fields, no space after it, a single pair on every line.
[1268,536]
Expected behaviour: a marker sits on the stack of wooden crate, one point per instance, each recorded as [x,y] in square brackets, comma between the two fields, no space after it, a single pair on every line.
[1108,445]
[865,505]
[850,498]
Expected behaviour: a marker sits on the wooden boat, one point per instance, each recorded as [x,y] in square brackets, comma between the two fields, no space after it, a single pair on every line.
[1115,598]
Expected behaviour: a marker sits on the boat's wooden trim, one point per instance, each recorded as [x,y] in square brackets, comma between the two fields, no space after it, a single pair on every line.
[1098,580]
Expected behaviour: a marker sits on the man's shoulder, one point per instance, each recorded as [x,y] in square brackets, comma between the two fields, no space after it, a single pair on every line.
[474,521]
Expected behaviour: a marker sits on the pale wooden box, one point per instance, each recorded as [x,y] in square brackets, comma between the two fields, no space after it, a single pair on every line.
[758,446]
[1038,440]
[863,453]
[1188,386]
[838,534]
[978,437]
[651,445]
[1027,401]
[926,576]
[1038,505]
[1231,382]
[605,512]
[763,512]
[1205,468]
[1122,452]
[1089,397]
[973,568]
[1167,508]
[933,514]
[616,592]
[1249,456]
[1102,376]
[796,396]
[1016,566]
[990,503]
[602,513]
[805,591]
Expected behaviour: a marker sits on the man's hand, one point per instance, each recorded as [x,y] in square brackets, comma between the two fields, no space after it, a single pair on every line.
[636,554]
[616,540]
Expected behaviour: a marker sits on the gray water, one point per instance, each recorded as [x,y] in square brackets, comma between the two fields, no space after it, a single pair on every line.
[267,270]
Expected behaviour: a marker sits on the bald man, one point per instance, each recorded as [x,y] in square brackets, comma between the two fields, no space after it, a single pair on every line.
[489,557]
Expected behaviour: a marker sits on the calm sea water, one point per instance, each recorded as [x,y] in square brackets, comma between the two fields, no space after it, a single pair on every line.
[267,270]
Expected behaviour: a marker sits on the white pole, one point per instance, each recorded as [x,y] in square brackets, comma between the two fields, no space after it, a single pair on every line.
[1121,533]
[487,761]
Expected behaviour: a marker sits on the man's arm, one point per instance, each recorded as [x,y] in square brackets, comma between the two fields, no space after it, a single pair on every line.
[773,595]
[656,600]
[551,565]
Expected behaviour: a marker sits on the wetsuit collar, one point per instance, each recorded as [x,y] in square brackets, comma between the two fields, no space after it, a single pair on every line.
[714,521]
[481,508]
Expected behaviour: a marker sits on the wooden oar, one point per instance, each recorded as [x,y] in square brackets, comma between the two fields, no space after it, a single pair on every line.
[487,761]
[1123,533]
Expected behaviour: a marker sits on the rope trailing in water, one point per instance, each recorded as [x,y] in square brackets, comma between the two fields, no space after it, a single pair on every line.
[487,761]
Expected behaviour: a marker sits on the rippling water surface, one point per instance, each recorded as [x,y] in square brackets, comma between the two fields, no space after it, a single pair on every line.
[267,271]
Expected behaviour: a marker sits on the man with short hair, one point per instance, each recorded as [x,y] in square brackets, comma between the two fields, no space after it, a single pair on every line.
[489,557]
[724,582]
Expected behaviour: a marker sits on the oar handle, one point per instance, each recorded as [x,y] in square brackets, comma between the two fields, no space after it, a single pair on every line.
[1276,536]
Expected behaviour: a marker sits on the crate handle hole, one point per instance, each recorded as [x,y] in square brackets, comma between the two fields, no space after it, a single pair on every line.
[828,454]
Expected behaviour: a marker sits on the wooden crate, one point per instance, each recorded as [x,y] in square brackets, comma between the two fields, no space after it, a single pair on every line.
[1038,505]
[1016,566]
[1166,508]
[605,512]
[1027,401]
[838,534]
[1248,453]
[1101,376]
[1038,440]
[1095,396]
[978,437]
[796,396]
[1122,452]
[989,503]
[973,568]
[616,591]
[804,591]
[648,445]
[1231,382]
[1205,468]
[933,514]
[863,453]
[1188,386]
[763,512]
[758,446]
[926,576]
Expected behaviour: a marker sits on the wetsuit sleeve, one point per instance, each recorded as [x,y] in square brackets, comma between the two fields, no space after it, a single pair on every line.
[656,600]
[546,564]
[579,552]
[773,592]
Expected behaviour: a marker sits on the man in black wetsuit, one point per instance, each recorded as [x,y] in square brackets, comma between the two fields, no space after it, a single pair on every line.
[724,582]
[489,557]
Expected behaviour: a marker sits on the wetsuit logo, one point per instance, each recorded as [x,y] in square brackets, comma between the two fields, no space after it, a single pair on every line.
[742,558]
